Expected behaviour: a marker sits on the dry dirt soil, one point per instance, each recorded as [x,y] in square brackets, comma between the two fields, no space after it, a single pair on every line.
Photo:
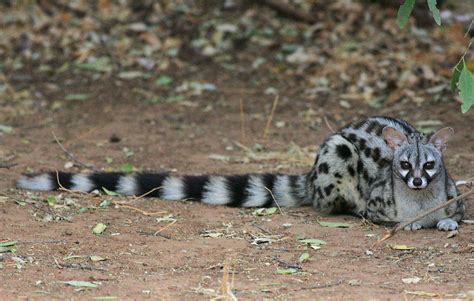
[165,250]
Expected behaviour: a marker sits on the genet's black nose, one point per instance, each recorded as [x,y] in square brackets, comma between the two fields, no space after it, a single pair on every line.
[417,182]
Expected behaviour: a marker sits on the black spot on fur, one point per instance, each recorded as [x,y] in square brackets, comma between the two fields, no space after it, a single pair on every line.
[367,152]
[383,162]
[362,144]
[238,193]
[337,175]
[146,182]
[328,189]
[343,151]
[372,126]
[107,180]
[352,137]
[323,168]
[365,175]
[360,166]
[351,171]
[320,193]
[194,186]
[376,154]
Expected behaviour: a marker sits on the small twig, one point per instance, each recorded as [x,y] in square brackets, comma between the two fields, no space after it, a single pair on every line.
[328,125]
[71,156]
[52,241]
[269,121]
[81,267]
[153,234]
[75,192]
[146,193]
[262,229]
[121,205]
[287,264]
[165,227]
[403,225]
[469,29]
[273,197]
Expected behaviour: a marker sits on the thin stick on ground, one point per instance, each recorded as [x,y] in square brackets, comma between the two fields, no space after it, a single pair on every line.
[71,156]
[328,125]
[165,227]
[270,118]
[273,197]
[403,225]
[75,192]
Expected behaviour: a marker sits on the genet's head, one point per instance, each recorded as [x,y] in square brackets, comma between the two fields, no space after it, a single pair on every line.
[418,159]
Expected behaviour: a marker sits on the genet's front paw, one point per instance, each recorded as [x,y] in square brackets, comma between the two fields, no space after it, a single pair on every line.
[412,227]
[447,224]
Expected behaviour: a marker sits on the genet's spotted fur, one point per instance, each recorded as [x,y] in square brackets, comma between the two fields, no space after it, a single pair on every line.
[379,168]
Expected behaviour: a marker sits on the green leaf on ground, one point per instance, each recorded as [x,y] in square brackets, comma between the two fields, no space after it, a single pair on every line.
[466,89]
[288,271]
[100,64]
[51,200]
[106,203]
[126,168]
[303,257]
[265,211]
[334,224]
[312,242]
[164,80]
[78,97]
[99,229]
[404,12]
[435,11]
[80,283]
[109,192]
[8,243]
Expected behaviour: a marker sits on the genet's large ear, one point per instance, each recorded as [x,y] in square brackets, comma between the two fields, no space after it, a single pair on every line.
[394,138]
[441,137]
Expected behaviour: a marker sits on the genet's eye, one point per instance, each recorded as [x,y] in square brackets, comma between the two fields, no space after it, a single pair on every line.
[405,165]
[429,165]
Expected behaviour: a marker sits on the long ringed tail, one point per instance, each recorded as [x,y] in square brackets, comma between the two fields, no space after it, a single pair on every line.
[248,190]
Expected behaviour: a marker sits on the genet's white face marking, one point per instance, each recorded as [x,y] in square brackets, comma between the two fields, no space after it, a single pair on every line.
[404,172]
[424,183]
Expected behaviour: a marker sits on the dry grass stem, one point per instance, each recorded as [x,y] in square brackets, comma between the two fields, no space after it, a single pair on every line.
[71,156]
[328,125]
[165,227]
[226,284]
[270,118]
[273,197]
